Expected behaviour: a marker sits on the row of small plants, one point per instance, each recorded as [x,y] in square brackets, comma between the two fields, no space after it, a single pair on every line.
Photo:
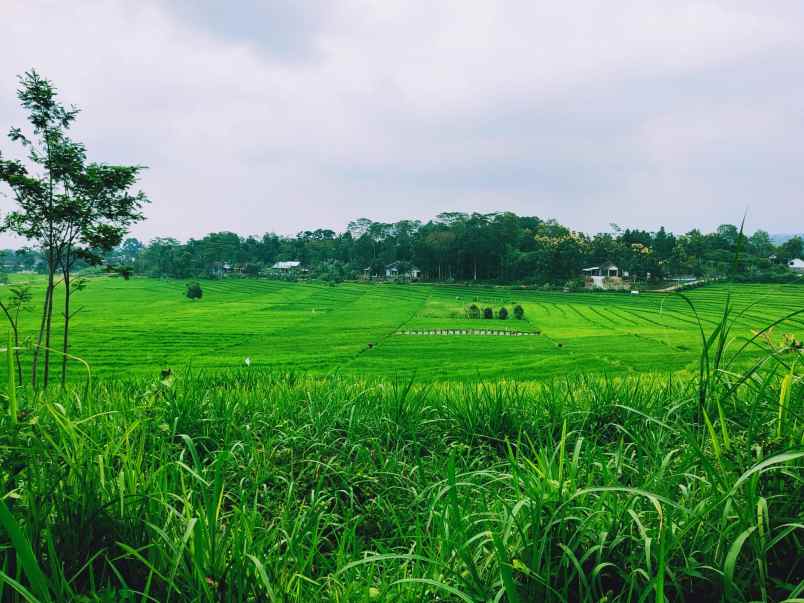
[474,312]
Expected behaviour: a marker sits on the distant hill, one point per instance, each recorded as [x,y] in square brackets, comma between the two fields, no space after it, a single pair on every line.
[780,238]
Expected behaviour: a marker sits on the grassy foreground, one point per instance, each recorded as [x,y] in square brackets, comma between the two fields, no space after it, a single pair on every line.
[255,486]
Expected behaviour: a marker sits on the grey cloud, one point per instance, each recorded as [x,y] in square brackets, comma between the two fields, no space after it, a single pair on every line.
[286,30]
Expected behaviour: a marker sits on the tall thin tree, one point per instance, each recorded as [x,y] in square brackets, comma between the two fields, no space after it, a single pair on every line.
[38,194]
[67,207]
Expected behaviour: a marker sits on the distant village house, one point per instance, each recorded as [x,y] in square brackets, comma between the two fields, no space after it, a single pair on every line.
[220,269]
[605,276]
[796,265]
[287,268]
[402,271]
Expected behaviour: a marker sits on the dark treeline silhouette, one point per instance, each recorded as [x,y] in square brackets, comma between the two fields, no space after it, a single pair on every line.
[501,247]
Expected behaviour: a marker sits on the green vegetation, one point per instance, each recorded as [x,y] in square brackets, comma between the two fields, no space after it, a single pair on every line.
[500,247]
[194,291]
[260,486]
[473,312]
[73,211]
[141,326]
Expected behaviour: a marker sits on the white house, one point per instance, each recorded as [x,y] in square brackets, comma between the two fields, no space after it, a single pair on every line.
[286,266]
[796,265]
[605,276]
[289,268]
[402,270]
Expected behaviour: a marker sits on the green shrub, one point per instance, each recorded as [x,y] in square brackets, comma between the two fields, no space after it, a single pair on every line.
[503,313]
[488,313]
[519,312]
[194,291]
[473,311]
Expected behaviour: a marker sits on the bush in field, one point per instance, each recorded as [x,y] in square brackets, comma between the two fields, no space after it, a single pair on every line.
[503,313]
[473,311]
[194,291]
[488,313]
[519,312]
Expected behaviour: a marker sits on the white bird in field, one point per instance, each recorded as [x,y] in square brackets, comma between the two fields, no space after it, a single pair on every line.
[247,360]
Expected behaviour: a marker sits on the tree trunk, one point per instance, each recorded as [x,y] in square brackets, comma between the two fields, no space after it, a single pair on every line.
[66,338]
[42,326]
[51,269]
[48,331]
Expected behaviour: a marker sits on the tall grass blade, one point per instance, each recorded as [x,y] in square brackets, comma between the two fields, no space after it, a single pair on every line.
[25,554]
[11,385]
[730,562]
[784,395]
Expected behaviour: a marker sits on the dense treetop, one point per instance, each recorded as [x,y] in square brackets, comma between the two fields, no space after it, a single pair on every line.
[501,247]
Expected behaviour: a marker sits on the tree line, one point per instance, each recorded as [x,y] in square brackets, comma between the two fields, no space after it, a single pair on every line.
[499,247]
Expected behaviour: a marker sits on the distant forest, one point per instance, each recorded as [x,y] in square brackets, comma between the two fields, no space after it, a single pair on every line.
[496,247]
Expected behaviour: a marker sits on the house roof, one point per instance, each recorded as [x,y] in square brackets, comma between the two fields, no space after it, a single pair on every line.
[286,265]
[604,266]
[395,265]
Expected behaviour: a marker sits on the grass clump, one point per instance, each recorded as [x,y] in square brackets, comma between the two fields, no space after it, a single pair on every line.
[250,485]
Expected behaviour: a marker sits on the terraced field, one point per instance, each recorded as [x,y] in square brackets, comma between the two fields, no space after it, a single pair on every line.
[143,325]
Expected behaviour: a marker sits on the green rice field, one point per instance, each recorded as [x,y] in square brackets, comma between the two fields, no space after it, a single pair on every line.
[453,459]
[137,327]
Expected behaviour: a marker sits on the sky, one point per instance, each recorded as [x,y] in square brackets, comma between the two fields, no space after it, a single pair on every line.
[259,116]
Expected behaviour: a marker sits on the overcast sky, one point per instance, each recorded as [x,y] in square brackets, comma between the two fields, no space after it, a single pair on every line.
[281,116]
